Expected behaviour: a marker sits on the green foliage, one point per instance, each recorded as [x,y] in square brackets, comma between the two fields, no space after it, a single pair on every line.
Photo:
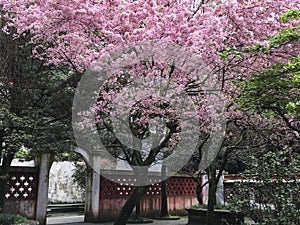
[13,138]
[9,219]
[35,103]
[68,156]
[268,91]
[79,175]
[35,100]
[23,154]
[272,92]
[285,36]
[275,91]
[290,14]
[230,52]
[275,184]
[218,206]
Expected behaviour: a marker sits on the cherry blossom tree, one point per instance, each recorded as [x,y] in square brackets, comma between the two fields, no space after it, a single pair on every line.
[224,33]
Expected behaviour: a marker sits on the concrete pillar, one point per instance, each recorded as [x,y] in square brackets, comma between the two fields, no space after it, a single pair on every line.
[44,163]
[92,199]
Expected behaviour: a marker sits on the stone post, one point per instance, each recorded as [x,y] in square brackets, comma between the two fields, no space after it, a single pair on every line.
[44,163]
[92,199]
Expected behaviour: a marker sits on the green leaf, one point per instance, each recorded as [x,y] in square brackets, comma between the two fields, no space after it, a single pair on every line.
[290,14]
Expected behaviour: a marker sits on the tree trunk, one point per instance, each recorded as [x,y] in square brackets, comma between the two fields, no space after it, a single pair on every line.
[211,194]
[138,209]
[199,187]
[4,177]
[164,196]
[199,193]
[164,200]
[128,207]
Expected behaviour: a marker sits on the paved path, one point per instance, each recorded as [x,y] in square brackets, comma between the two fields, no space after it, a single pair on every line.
[77,219]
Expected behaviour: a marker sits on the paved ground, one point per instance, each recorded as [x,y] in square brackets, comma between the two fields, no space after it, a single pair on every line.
[77,219]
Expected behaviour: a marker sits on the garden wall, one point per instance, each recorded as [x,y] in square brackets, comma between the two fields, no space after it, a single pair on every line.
[22,191]
[181,192]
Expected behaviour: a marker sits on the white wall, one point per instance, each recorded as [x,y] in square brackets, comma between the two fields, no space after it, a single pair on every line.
[20,162]
[62,188]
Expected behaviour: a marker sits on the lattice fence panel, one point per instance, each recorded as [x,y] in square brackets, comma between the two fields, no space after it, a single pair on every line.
[181,186]
[22,186]
[123,187]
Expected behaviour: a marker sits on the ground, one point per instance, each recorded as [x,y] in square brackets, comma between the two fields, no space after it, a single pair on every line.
[78,218]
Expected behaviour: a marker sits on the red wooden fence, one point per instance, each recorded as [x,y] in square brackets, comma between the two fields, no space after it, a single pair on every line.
[181,192]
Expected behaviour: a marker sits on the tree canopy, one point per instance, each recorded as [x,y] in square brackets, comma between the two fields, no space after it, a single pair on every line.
[240,40]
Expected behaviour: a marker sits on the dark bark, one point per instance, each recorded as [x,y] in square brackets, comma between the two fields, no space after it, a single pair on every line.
[199,187]
[128,207]
[211,193]
[138,209]
[199,193]
[164,200]
[164,196]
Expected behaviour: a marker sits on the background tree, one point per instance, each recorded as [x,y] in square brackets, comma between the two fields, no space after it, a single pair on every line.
[275,90]
[274,93]
[35,104]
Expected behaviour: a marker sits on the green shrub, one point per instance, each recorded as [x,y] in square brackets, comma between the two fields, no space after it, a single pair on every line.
[79,175]
[223,207]
[274,183]
[8,219]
